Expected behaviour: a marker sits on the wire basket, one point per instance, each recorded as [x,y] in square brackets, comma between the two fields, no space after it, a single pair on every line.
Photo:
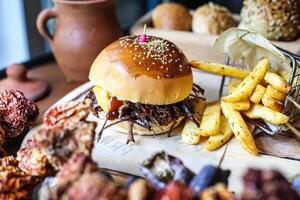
[292,102]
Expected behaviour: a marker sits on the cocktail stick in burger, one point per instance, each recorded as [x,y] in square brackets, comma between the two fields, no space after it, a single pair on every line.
[143,85]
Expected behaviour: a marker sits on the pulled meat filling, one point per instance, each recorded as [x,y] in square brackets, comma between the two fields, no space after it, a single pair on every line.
[146,115]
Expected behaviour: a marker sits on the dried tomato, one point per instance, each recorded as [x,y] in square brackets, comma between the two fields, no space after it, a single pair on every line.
[16,112]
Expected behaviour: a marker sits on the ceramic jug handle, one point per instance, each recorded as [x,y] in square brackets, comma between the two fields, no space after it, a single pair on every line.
[41,22]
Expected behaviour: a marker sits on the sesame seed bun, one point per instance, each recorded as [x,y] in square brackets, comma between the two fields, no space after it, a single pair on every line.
[155,72]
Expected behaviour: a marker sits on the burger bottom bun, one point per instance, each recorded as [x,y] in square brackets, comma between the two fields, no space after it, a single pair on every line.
[124,127]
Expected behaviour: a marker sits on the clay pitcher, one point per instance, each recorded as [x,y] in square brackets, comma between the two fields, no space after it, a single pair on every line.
[83,28]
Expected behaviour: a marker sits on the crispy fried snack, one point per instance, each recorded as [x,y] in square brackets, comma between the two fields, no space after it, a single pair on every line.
[258,111]
[81,179]
[239,128]
[271,103]
[67,116]
[16,113]
[14,183]
[211,120]
[224,135]
[247,86]
[191,132]
[277,82]
[221,69]
[257,94]
[49,148]
[276,94]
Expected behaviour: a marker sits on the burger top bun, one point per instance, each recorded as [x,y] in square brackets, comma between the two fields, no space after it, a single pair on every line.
[154,72]
[172,16]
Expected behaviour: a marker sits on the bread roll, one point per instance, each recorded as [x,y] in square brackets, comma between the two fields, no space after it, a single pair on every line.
[212,19]
[276,20]
[172,16]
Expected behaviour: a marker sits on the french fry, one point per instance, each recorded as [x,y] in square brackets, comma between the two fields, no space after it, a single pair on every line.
[258,111]
[247,86]
[244,104]
[241,105]
[239,128]
[277,82]
[220,69]
[191,132]
[211,120]
[269,102]
[284,74]
[223,136]
[275,94]
[233,84]
[257,94]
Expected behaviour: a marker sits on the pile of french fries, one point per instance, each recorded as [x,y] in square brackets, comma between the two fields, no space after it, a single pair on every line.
[256,94]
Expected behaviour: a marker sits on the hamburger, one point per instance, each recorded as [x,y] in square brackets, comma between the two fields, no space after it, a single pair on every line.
[143,87]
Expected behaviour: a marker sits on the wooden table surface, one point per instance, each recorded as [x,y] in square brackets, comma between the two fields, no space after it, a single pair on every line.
[59,85]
